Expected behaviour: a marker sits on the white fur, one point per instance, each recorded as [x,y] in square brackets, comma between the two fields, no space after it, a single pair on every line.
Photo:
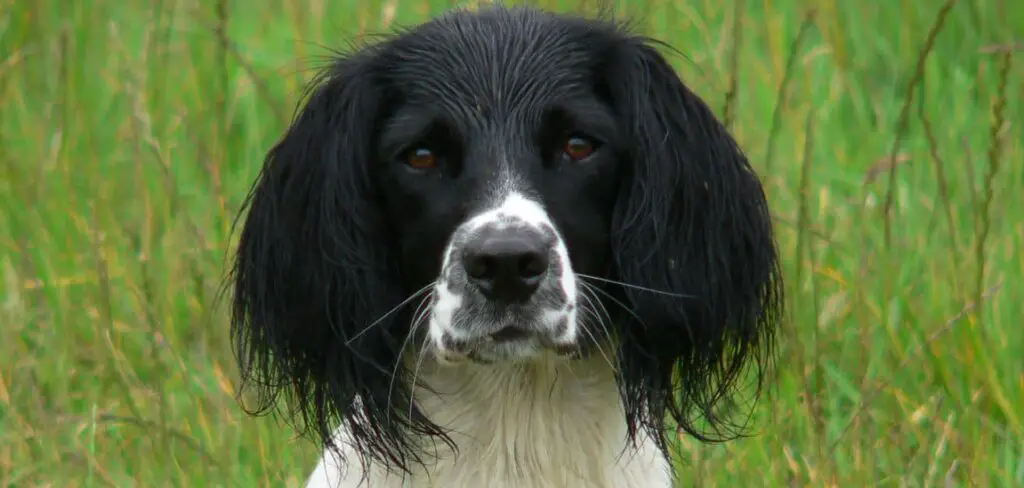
[550,424]
[515,209]
[532,420]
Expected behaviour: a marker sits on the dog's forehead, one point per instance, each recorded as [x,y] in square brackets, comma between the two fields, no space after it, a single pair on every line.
[498,58]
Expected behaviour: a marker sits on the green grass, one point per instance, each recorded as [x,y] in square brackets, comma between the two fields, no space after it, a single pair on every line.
[130,131]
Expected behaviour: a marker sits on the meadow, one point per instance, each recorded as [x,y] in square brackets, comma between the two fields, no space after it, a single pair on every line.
[889,136]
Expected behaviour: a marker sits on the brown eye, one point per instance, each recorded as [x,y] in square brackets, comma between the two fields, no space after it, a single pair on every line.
[421,158]
[578,147]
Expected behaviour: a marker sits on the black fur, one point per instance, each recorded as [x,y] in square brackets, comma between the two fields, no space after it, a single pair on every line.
[334,239]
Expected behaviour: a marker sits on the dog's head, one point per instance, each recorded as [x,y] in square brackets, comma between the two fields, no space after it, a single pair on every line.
[498,186]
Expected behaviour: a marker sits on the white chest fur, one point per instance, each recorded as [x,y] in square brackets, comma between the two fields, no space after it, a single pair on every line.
[539,425]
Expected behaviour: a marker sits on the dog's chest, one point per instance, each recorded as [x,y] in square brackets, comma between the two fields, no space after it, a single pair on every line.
[558,470]
[524,430]
[539,442]
[519,452]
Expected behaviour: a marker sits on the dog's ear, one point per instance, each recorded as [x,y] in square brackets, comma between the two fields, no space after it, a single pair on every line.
[315,280]
[691,222]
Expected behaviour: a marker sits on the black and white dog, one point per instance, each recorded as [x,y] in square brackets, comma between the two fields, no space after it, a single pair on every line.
[505,248]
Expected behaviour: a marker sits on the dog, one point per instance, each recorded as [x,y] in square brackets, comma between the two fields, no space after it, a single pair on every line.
[506,248]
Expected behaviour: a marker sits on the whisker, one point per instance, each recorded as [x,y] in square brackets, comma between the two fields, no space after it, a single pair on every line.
[419,317]
[422,353]
[423,310]
[603,323]
[599,322]
[635,287]
[389,312]
[598,308]
[619,303]
[592,315]
[597,344]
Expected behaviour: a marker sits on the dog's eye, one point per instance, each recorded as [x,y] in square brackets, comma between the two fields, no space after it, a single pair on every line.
[578,147]
[421,158]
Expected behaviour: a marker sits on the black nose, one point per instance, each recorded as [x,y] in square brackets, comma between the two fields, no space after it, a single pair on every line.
[507,265]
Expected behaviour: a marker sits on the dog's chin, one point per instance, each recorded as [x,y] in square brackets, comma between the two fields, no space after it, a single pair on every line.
[520,351]
[524,345]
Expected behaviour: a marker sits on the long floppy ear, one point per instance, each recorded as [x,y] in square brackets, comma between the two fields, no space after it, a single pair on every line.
[315,277]
[691,220]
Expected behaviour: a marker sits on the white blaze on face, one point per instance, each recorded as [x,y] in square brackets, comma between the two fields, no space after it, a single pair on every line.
[452,295]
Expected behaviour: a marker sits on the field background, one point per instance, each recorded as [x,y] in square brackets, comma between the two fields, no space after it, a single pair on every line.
[130,131]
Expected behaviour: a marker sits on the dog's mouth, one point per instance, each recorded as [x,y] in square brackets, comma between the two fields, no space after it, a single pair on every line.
[511,333]
[504,335]
[506,343]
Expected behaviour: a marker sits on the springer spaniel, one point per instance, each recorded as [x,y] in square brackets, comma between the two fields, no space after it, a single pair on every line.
[504,248]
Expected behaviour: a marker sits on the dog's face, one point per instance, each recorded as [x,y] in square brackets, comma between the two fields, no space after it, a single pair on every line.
[499,178]
[495,186]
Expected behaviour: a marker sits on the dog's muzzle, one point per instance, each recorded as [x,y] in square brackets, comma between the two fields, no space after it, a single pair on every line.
[506,289]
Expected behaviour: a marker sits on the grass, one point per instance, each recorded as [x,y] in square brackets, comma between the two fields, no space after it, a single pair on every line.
[890,137]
